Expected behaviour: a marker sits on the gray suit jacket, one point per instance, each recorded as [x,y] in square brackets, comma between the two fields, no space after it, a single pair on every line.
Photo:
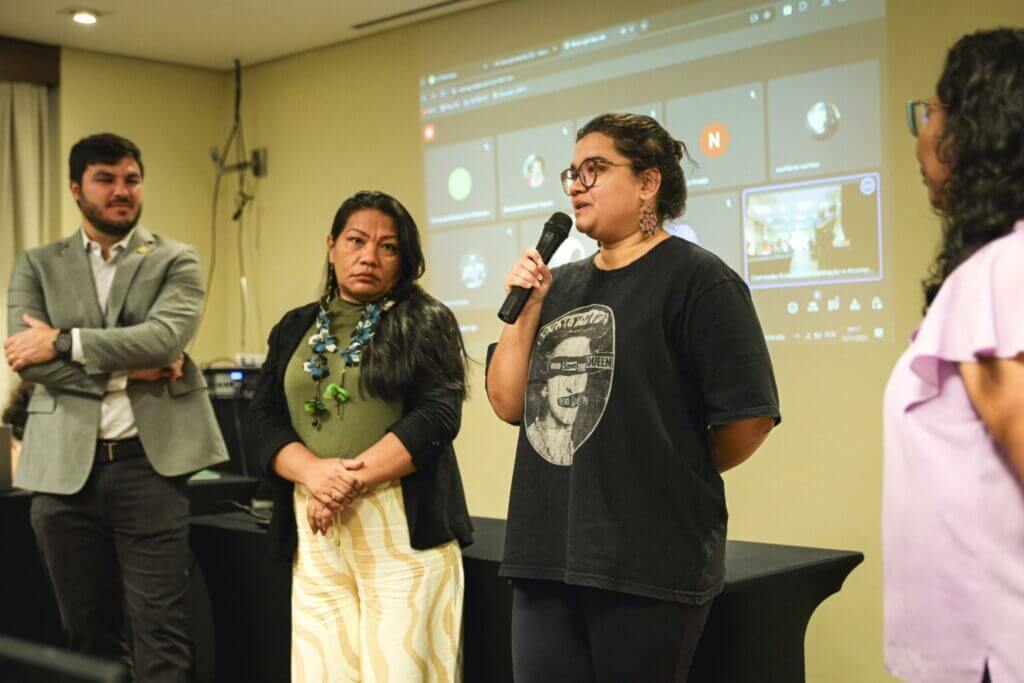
[153,311]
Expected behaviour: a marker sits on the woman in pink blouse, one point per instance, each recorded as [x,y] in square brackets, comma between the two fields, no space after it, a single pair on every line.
[953,501]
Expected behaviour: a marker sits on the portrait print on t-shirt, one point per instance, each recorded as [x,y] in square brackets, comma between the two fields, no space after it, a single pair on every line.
[569,382]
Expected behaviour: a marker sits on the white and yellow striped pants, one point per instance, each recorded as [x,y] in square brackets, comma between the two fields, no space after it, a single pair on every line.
[368,607]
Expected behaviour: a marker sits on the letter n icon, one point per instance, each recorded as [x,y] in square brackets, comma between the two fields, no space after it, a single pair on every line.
[714,140]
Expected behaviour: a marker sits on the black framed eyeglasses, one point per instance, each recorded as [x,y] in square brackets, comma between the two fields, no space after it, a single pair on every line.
[586,173]
[917,115]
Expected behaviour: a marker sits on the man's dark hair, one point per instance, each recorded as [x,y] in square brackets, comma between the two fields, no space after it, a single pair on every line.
[102,148]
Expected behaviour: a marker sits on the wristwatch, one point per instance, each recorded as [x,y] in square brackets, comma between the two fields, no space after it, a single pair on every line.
[62,345]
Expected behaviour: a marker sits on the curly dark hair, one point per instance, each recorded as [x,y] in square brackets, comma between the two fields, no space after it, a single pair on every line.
[982,93]
[16,411]
[647,144]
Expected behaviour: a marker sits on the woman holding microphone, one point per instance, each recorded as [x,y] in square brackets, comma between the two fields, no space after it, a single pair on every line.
[637,376]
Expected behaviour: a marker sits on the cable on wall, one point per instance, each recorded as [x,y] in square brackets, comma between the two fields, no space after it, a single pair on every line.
[243,163]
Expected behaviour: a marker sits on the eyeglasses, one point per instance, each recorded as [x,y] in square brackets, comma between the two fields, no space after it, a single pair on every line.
[917,115]
[587,172]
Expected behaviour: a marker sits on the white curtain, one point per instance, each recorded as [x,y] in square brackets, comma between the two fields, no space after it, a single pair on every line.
[26,186]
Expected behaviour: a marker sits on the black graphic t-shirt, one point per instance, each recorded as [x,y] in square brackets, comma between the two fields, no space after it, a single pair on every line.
[614,486]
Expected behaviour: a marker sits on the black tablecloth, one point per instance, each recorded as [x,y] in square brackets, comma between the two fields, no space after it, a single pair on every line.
[755,631]
[241,600]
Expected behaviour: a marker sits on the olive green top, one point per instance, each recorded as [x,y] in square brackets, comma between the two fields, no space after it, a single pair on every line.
[363,420]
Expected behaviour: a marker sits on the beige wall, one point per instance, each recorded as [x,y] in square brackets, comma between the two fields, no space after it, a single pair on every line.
[173,114]
[345,118]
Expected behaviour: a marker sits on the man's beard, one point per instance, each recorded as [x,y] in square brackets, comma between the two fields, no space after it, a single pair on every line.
[94,215]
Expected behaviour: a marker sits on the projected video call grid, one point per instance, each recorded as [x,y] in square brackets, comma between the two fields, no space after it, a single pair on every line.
[785,188]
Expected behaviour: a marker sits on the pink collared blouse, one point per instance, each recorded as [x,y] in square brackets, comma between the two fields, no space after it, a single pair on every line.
[953,507]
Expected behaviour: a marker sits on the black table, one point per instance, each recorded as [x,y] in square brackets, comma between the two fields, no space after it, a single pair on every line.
[210,496]
[28,609]
[250,599]
[755,631]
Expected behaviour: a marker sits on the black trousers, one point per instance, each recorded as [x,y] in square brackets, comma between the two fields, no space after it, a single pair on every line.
[120,546]
[576,634]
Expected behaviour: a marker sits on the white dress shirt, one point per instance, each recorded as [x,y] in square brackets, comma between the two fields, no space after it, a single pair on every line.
[116,418]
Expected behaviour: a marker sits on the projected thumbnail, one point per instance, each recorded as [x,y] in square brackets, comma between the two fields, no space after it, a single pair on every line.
[529,162]
[652,109]
[460,183]
[534,171]
[724,131]
[817,232]
[713,222]
[825,121]
[467,266]
[575,247]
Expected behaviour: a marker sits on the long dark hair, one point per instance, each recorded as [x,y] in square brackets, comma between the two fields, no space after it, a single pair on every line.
[417,342]
[410,253]
[982,92]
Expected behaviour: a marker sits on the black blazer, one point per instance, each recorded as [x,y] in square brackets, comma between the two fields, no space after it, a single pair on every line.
[435,504]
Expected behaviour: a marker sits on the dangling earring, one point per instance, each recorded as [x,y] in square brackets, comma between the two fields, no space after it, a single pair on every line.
[648,220]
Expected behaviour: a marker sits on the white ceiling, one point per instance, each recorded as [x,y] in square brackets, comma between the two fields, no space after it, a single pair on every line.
[211,33]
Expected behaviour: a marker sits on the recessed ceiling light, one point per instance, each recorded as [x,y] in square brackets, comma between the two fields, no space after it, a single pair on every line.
[83,15]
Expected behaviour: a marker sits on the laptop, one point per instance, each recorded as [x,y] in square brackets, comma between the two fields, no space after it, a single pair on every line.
[5,458]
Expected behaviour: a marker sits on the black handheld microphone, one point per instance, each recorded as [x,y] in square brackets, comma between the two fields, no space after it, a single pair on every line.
[555,231]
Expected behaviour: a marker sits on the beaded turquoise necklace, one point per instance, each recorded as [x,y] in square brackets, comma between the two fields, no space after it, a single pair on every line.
[323,343]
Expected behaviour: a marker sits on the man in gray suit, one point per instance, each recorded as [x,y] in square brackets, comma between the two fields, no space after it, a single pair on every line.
[119,416]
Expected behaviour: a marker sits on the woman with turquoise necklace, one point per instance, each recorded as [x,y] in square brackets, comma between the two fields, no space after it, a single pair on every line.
[358,403]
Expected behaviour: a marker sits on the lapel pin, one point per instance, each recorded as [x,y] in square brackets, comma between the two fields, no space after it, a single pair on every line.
[143,249]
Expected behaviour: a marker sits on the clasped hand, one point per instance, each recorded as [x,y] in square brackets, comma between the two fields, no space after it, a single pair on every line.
[333,486]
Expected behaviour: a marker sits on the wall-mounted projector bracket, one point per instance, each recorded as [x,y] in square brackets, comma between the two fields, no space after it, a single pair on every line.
[257,164]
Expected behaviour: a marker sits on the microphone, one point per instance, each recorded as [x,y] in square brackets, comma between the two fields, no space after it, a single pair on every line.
[555,231]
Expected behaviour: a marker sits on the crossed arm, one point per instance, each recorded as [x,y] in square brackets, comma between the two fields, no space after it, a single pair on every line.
[154,345]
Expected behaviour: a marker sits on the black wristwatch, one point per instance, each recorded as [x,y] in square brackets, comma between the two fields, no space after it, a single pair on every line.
[62,345]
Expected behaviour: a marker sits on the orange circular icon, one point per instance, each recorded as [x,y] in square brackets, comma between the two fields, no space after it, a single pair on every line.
[714,140]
